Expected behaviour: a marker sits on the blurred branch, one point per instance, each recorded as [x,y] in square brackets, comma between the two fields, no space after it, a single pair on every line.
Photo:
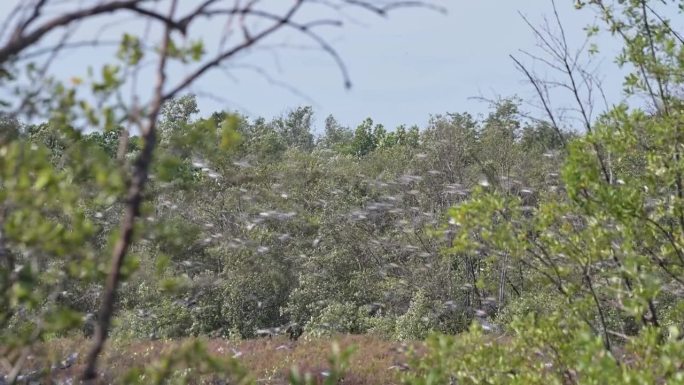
[134,200]
[223,56]
[21,40]
[383,9]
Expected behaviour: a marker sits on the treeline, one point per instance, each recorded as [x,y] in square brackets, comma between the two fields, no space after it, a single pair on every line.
[339,233]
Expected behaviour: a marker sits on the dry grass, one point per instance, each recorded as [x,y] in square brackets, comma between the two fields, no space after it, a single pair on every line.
[375,361]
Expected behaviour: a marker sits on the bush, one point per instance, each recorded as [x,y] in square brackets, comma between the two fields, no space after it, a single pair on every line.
[337,318]
[167,320]
[540,303]
[418,321]
[553,349]
[382,326]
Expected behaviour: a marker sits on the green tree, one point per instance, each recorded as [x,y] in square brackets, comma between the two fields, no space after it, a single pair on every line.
[363,142]
[606,243]
[336,137]
[175,117]
[295,129]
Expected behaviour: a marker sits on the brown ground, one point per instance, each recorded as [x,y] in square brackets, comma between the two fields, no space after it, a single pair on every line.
[375,361]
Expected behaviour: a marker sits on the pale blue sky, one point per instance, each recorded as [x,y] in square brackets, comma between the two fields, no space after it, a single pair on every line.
[403,68]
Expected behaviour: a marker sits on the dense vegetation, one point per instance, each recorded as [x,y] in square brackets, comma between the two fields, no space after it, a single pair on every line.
[519,250]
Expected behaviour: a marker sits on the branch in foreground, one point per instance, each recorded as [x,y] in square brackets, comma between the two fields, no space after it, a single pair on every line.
[141,169]
[22,40]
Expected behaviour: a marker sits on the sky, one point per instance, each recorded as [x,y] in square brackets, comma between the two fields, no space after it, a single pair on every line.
[404,68]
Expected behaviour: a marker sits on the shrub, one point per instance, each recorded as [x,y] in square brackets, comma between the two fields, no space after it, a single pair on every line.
[337,318]
[381,326]
[553,349]
[168,319]
[418,321]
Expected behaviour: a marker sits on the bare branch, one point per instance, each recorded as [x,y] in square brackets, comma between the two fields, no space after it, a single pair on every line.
[542,97]
[10,18]
[37,8]
[273,81]
[557,47]
[382,10]
[250,41]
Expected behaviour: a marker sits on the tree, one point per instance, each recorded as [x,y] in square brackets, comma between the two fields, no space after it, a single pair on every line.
[498,139]
[453,139]
[364,142]
[175,116]
[602,255]
[10,128]
[336,136]
[295,129]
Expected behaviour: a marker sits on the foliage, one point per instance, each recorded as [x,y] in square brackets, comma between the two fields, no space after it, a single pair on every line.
[543,256]
[600,261]
[555,349]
